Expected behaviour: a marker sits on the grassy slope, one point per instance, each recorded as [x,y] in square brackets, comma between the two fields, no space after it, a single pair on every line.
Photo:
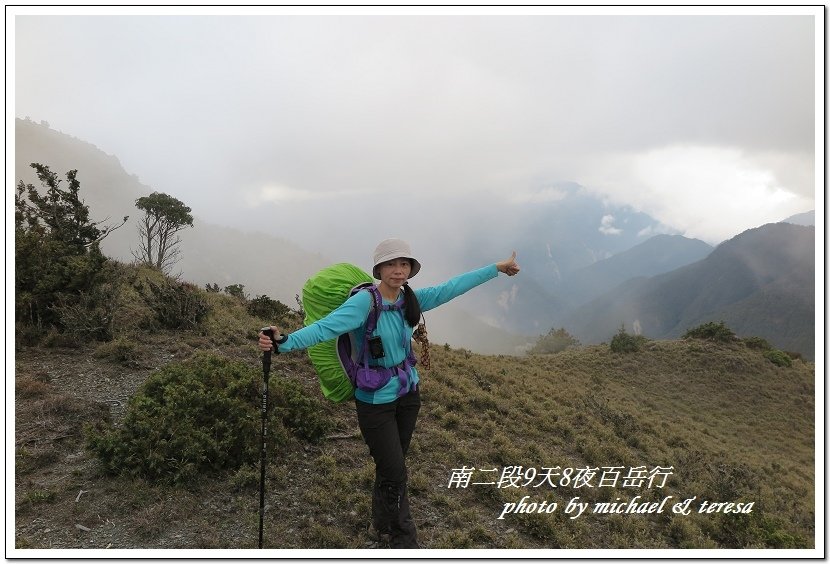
[733,426]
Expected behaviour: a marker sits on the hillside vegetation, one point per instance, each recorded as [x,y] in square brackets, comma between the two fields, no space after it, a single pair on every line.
[137,411]
[760,283]
[693,418]
[209,253]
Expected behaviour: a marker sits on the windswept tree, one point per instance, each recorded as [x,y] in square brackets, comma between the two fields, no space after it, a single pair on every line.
[164,217]
[58,213]
[57,254]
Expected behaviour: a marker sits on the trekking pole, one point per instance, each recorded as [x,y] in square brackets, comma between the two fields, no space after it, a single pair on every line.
[266,371]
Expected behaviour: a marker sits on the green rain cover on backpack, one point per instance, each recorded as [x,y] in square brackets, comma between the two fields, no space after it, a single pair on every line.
[323,293]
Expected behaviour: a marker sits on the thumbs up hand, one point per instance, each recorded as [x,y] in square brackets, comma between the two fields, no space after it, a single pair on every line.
[509,266]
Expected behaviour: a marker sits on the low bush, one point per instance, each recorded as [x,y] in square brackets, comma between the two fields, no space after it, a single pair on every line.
[177,305]
[779,358]
[237,291]
[266,308]
[121,350]
[200,416]
[90,315]
[557,340]
[758,343]
[712,331]
[299,411]
[624,342]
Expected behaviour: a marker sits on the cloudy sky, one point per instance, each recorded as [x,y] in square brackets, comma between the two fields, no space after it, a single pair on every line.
[704,120]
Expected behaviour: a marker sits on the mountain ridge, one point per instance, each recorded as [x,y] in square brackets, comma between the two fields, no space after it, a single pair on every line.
[658,254]
[571,251]
[762,280]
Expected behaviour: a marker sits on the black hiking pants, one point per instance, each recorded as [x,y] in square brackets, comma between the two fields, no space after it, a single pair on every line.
[387,429]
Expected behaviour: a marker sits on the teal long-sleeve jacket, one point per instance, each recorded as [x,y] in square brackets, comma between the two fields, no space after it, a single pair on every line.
[393,330]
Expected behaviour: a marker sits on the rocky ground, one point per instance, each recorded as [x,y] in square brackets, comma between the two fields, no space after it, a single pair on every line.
[63,501]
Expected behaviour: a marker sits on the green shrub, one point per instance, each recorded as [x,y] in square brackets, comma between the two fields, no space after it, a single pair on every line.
[90,315]
[624,342]
[711,331]
[557,340]
[177,305]
[300,411]
[779,358]
[758,343]
[200,416]
[122,350]
[237,291]
[266,308]
[246,477]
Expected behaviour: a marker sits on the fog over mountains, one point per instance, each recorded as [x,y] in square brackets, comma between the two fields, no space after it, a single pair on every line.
[761,283]
[587,265]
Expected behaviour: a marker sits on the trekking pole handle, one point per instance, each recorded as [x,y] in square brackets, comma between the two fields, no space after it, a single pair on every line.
[270,333]
[274,341]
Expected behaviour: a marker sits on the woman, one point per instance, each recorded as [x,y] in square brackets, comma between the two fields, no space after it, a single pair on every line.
[387,415]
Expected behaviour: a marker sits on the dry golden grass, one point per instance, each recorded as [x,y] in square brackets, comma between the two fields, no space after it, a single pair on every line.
[733,427]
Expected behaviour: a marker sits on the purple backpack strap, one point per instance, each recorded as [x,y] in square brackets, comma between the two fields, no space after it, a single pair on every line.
[371,321]
[371,324]
[374,313]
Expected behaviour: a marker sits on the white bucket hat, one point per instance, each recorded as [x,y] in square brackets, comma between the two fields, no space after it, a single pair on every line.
[390,249]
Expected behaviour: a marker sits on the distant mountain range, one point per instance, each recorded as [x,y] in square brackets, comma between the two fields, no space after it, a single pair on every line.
[760,283]
[566,230]
[587,265]
[659,254]
[806,218]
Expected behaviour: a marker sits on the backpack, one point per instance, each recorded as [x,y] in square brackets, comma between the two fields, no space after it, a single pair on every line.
[336,361]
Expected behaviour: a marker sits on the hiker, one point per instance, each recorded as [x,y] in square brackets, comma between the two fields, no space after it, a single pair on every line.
[387,415]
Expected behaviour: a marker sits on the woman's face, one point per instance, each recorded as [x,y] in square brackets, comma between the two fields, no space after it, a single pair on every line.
[394,273]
